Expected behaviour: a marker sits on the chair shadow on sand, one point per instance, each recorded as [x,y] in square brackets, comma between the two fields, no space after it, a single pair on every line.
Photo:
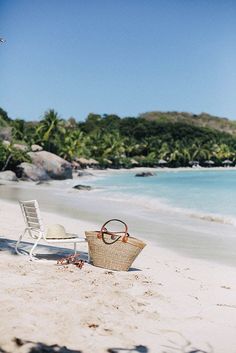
[46,252]
[135,349]
[38,347]
[144,349]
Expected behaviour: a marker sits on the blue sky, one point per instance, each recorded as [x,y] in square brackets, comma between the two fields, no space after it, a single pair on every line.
[117,56]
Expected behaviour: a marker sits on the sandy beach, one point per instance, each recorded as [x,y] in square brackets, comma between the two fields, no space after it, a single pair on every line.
[166,303]
[120,111]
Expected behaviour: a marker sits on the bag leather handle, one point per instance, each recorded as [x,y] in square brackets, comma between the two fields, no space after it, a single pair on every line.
[104,231]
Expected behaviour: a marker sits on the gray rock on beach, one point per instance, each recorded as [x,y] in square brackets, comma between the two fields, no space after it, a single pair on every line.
[8,175]
[55,166]
[82,187]
[31,172]
[83,173]
[144,174]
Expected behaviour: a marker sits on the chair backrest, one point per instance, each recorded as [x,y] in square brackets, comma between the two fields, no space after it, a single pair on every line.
[32,217]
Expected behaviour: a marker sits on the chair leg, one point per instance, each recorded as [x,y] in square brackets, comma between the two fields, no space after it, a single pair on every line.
[32,257]
[18,242]
[75,248]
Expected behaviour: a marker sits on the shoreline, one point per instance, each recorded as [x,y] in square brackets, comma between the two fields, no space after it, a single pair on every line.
[166,300]
[193,237]
[164,169]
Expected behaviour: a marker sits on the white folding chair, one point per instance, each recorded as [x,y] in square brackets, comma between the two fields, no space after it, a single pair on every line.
[35,228]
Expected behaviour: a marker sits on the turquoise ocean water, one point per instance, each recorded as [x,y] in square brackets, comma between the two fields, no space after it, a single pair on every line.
[208,194]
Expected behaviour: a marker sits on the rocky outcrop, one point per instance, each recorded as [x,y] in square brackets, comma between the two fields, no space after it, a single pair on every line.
[28,171]
[144,174]
[55,166]
[83,173]
[8,175]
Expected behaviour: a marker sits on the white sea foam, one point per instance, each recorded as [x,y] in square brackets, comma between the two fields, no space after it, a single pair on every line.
[208,196]
[163,205]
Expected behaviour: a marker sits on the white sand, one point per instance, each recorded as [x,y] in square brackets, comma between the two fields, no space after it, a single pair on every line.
[170,304]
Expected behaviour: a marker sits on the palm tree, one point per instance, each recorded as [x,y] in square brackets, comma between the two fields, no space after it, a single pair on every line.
[179,155]
[50,128]
[18,130]
[164,151]
[114,145]
[199,152]
[222,151]
[107,145]
[10,157]
[74,145]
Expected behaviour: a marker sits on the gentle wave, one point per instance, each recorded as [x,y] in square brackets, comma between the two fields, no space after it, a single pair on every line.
[162,205]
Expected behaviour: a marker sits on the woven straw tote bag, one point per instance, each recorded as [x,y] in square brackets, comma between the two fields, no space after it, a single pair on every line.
[113,250]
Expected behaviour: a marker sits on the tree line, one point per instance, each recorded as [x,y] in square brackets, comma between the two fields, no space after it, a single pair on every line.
[117,142]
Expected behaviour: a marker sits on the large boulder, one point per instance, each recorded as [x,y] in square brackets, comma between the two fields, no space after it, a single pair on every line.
[55,166]
[8,175]
[32,172]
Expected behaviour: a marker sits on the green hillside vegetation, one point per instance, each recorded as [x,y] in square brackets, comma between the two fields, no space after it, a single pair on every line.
[177,138]
[201,120]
